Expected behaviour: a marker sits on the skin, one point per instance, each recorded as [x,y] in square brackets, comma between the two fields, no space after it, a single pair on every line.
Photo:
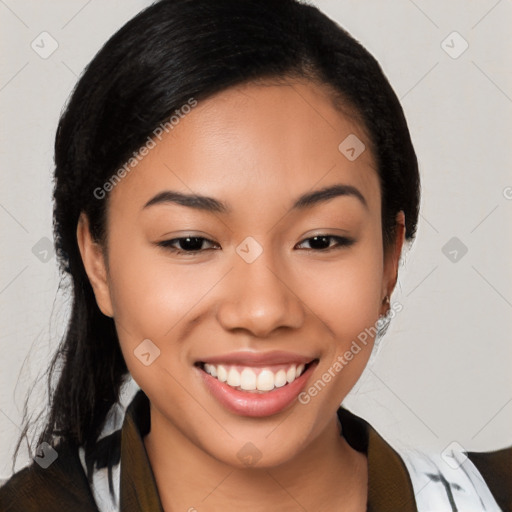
[256,148]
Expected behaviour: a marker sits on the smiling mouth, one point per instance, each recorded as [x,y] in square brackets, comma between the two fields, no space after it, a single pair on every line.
[256,379]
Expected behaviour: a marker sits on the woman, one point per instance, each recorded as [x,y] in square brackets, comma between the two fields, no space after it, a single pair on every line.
[234,185]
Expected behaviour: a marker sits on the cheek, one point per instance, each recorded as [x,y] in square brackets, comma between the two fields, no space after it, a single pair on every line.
[345,295]
[353,298]
[152,295]
[151,300]
[155,298]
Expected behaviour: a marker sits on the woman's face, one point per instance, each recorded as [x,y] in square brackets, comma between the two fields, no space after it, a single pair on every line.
[253,297]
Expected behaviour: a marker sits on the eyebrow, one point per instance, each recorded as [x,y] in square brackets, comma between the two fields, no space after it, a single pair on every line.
[213,205]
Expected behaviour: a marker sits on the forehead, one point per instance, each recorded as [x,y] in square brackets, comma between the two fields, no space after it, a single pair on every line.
[271,142]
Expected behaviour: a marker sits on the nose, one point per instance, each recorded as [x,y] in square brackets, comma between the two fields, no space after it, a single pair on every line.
[260,299]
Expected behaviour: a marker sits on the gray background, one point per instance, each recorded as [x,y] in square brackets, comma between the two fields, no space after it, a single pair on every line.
[443,371]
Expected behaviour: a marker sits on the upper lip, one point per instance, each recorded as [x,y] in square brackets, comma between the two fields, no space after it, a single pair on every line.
[258,358]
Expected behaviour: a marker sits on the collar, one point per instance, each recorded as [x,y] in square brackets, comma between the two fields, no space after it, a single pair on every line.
[389,484]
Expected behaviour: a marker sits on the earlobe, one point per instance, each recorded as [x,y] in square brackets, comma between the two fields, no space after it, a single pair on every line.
[95,266]
[393,258]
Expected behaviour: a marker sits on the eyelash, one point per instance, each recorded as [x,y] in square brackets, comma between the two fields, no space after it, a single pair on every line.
[341,242]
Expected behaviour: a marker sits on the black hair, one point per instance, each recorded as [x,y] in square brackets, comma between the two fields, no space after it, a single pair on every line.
[173,51]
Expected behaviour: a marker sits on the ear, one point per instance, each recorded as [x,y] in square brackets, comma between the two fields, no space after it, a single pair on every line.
[95,265]
[392,259]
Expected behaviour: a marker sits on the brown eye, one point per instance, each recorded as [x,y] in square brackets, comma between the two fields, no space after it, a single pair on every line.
[188,244]
[324,242]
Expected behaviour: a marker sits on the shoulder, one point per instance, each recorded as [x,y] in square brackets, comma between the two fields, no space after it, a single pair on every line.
[55,482]
[402,477]
[496,469]
[460,480]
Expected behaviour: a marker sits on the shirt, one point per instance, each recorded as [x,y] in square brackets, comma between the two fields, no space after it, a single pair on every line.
[405,482]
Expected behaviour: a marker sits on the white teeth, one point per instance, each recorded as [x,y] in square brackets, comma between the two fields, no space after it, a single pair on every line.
[291,374]
[250,380]
[247,379]
[222,373]
[210,368]
[233,378]
[280,379]
[265,381]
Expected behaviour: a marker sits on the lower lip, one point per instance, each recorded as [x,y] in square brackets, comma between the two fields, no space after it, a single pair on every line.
[256,404]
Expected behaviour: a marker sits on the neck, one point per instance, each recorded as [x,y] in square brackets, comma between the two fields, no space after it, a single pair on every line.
[327,475]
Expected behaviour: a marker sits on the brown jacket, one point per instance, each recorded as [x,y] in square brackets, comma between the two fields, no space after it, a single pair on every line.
[63,486]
